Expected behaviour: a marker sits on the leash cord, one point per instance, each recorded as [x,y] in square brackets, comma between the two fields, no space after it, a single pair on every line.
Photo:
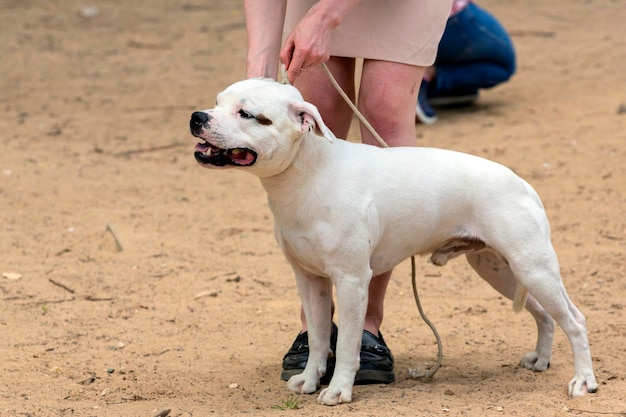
[430,372]
[354,108]
[413,373]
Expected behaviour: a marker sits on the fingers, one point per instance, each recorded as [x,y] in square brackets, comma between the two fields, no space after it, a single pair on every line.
[294,63]
[308,44]
[294,69]
[297,62]
[287,52]
[292,74]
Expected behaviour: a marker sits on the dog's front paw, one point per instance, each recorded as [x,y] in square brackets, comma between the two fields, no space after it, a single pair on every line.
[299,383]
[535,362]
[581,385]
[335,394]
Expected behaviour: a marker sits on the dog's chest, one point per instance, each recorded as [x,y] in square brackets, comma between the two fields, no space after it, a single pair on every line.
[320,244]
[302,249]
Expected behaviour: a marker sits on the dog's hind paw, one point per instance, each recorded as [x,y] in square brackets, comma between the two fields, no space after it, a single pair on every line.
[334,395]
[534,362]
[580,385]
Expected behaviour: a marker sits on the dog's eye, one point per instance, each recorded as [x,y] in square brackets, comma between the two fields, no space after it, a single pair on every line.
[244,114]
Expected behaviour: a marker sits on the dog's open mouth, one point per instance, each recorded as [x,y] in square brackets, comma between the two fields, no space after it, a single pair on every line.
[207,154]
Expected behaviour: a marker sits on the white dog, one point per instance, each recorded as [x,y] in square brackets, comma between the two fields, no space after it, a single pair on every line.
[345,212]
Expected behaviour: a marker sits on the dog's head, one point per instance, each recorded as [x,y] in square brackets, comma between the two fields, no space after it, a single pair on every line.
[258,125]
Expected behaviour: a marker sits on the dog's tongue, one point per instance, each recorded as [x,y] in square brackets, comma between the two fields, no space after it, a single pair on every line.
[202,147]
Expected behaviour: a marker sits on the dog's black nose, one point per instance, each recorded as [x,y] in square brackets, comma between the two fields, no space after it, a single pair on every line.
[198,119]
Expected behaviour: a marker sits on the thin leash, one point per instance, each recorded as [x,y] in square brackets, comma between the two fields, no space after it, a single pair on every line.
[354,108]
[415,373]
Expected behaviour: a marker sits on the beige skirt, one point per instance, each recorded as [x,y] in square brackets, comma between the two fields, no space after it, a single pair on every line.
[405,31]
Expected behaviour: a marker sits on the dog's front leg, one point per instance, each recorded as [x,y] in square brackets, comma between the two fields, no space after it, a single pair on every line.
[315,294]
[351,306]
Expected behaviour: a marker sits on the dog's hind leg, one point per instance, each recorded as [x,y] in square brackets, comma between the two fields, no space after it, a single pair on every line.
[493,269]
[538,270]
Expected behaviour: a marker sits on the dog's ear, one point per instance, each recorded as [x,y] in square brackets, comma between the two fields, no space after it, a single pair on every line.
[310,119]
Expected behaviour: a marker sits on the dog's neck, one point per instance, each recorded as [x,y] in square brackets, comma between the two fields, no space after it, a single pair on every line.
[287,187]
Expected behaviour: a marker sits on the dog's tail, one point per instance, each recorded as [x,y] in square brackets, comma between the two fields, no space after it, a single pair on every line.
[521,295]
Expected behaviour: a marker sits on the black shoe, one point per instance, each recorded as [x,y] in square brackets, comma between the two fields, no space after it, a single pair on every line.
[296,358]
[376,359]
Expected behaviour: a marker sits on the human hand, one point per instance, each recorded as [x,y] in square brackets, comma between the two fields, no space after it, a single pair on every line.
[308,44]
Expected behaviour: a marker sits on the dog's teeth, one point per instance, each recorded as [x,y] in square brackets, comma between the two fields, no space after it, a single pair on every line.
[236,151]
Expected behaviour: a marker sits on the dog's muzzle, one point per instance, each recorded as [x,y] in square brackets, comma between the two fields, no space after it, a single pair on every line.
[209,154]
[197,122]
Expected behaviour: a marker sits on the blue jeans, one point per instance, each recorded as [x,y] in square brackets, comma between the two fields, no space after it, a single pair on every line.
[475,52]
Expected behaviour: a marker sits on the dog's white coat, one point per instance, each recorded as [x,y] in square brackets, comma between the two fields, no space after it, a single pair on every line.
[345,212]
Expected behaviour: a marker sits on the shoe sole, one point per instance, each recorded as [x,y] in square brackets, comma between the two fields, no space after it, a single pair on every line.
[367,377]
[423,118]
[452,101]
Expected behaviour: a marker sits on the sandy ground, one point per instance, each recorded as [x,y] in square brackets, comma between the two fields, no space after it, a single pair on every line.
[194,312]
